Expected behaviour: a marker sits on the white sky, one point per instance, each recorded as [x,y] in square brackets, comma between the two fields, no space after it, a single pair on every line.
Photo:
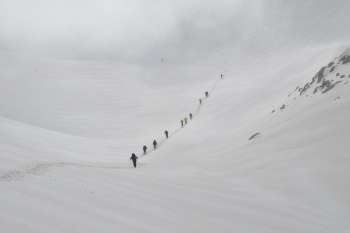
[95,29]
[122,29]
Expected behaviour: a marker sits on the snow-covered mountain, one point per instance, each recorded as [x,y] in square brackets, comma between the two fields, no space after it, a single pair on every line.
[267,151]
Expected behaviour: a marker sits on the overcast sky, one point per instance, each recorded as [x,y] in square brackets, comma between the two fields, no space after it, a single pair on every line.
[118,29]
[97,28]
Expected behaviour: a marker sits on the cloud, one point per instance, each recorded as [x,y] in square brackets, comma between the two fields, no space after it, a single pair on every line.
[91,29]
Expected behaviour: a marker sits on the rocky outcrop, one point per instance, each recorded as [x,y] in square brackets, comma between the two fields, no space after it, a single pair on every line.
[320,75]
[317,89]
[330,87]
[346,59]
[253,136]
[325,83]
[307,86]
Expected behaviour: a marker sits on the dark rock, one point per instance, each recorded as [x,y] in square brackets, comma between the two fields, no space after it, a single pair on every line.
[307,86]
[326,83]
[337,74]
[273,111]
[342,76]
[300,89]
[298,86]
[320,75]
[346,59]
[283,107]
[330,64]
[332,69]
[289,94]
[253,136]
[330,87]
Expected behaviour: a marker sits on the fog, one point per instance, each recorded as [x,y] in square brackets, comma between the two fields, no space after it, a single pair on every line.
[124,29]
[102,29]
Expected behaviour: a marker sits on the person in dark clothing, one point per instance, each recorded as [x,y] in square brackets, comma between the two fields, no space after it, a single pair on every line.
[134,159]
[221,76]
[191,116]
[200,101]
[155,144]
[166,133]
[206,94]
[144,149]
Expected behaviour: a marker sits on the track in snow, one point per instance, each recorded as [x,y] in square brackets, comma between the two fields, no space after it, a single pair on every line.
[36,169]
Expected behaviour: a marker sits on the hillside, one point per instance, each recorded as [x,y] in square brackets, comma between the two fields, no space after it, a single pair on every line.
[267,151]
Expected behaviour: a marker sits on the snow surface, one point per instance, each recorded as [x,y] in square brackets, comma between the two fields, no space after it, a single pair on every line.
[68,128]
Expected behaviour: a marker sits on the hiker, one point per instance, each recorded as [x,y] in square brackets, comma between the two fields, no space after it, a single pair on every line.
[185,120]
[144,149]
[200,101]
[182,123]
[155,144]
[134,159]
[221,76]
[166,133]
[206,94]
[191,116]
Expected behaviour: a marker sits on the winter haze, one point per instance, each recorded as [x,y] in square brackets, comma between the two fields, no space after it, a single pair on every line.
[83,86]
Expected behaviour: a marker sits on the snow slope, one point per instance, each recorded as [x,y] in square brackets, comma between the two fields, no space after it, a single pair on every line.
[68,129]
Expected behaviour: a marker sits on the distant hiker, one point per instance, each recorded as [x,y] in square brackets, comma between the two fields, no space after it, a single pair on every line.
[166,133]
[144,149]
[185,119]
[221,76]
[200,101]
[134,159]
[191,116]
[182,123]
[155,144]
[162,60]
[206,94]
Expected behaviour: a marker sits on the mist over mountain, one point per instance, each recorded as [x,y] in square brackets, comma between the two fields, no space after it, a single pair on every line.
[139,30]
[87,85]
